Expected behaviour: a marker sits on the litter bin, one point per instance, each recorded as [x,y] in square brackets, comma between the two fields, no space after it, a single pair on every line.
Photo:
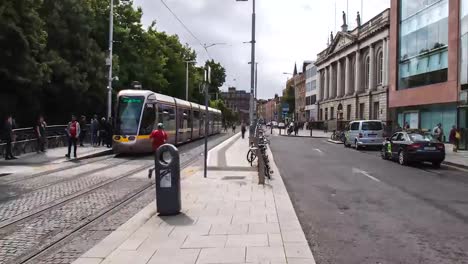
[167,167]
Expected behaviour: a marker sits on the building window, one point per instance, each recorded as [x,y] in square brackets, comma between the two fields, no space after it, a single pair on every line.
[376,110]
[423,42]
[340,112]
[326,113]
[313,85]
[361,111]
[380,64]
[313,99]
[348,112]
[332,113]
[321,114]
[366,72]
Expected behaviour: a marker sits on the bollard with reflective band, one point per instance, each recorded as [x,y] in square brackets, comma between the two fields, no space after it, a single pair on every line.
[167,167]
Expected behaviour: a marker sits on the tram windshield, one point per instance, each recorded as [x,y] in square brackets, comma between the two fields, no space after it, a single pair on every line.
[128,114]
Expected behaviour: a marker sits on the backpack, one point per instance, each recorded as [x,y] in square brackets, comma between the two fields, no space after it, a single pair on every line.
[73,129]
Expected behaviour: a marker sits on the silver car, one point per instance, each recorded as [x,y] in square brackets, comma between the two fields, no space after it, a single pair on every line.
[364,133]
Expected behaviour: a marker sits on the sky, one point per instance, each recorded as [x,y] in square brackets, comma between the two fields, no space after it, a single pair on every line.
[287,32]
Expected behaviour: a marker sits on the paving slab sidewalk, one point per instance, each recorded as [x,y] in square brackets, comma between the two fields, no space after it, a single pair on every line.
[226,218]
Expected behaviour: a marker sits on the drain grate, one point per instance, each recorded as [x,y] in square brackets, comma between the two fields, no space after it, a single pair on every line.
[230,178]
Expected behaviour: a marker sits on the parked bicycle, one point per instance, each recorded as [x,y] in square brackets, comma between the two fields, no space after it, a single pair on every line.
[263,142]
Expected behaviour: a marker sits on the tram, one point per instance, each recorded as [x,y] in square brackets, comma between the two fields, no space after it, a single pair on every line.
[139,112]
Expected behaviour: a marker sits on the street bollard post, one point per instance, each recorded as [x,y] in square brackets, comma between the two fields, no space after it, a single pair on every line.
[168,197]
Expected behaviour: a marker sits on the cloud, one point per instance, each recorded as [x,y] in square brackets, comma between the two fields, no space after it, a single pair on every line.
[287,32]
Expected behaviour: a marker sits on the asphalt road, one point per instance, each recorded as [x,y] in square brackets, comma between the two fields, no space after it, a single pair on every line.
[355,207]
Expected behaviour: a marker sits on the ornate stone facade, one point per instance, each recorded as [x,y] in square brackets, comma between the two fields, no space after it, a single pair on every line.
[352,73]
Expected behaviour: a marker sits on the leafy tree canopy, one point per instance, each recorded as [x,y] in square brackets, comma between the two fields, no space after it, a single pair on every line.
[53,58]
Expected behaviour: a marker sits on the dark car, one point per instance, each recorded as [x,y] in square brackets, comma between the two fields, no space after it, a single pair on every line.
[407,147]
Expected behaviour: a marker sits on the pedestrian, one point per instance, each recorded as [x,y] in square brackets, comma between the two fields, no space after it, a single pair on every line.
[225,127]
[102,132]
[234,128]
[40,131]
[406,127]
[9,137]
[94,130]
[83,130]
[438,132]
[158,137]
[243,129]
[73,133]
[296,129]
[454,138]
[109,129]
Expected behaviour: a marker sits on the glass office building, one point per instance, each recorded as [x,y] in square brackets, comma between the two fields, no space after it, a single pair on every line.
[423,42]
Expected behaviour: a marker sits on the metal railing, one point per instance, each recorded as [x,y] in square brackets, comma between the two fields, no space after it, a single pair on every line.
[26,139]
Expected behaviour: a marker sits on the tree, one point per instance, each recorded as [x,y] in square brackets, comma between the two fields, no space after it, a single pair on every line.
[22,41]
[229,116]
[218,76]
[288,98]
[53,58]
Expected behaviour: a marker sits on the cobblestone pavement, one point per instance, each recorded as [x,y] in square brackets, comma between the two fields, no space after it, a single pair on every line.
[43,196]
[69,251]
[46,228]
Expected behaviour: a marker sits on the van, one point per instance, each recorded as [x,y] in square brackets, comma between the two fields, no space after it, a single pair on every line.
[364,133]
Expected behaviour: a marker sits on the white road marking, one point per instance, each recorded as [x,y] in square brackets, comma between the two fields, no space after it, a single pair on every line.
[318,150]
[365,174]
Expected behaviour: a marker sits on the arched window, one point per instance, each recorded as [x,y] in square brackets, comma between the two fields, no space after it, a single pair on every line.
[366,72]
[380,67]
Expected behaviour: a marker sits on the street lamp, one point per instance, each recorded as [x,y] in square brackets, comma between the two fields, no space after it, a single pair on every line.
[187,79]
[109,59]
[252,66]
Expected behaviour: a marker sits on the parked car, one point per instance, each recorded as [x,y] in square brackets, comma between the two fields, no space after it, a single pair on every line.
[364,133]
[415,146]
[268,124]
[281,125]
[274,123]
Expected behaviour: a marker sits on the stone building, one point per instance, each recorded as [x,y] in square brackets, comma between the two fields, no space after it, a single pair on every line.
[238,101]
[352,72]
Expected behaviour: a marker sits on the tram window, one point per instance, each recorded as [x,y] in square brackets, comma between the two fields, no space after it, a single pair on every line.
[147,121]
[167,117]
[128,114]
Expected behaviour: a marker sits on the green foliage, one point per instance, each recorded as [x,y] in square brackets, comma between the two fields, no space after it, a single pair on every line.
[218,76]
[53,58]
[229,117]
[289,98]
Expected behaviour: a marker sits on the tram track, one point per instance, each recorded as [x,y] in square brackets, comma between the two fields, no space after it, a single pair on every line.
[13,228]
[44,184]
[29,259]
[47,172]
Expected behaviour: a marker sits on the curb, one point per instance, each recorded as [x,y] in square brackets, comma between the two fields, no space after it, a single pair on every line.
[95,155]
[335,141]
[456,165]
[302,136]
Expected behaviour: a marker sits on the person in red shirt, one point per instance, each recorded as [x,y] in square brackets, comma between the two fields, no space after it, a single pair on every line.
[158,137]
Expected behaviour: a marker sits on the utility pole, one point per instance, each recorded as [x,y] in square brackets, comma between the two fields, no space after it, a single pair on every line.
[206,86]
[252,69]
[109,62]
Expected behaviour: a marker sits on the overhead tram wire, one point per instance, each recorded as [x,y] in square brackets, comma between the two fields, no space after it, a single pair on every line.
[186,28]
